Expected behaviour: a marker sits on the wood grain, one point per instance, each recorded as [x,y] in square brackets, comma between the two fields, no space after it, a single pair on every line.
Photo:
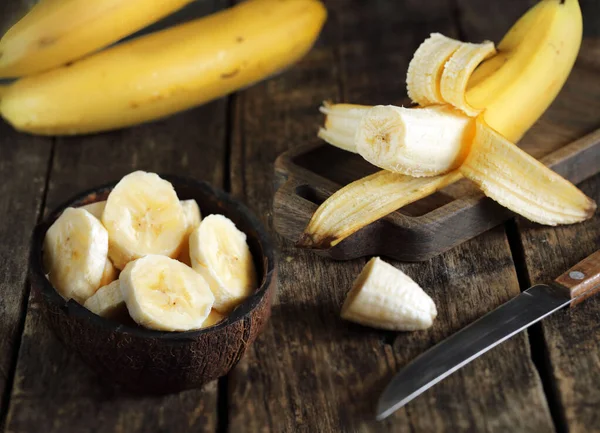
[310,370]
[53,390]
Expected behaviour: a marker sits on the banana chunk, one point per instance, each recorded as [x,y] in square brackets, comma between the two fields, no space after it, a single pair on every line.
[219,252]
[415,142]
[75,254]
[143,216]
[193,217]
[109,274]
[213,318]
[95,208]
[108,301]
[164,294]
[384,297]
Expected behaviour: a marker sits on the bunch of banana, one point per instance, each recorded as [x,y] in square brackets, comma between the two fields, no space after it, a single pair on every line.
[469,115]
[148,77]
[141,229]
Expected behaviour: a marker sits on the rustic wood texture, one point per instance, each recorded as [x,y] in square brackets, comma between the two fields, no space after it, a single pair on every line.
[311,370]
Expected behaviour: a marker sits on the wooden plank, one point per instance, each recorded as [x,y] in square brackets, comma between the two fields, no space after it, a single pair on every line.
[23,169]
[53,390]
[310,370]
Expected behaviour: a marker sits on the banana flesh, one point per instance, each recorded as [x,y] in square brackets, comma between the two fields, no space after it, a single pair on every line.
[153,76]
[426,68]
[75,254]
[521,183]
[341,123]
[143,216]
[416,142]
[96,208]
[107,302]
[109,274]
[386,298]
[57,32]
[365,201]
[219,252]
[193,217]
[164,294]
[213,319]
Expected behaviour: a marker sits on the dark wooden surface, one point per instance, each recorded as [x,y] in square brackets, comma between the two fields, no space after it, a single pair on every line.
[310,371]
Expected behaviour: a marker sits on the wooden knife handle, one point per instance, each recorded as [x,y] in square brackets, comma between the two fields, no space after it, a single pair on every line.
[583,279]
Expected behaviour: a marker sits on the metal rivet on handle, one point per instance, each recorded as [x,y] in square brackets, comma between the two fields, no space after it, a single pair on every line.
[576,275]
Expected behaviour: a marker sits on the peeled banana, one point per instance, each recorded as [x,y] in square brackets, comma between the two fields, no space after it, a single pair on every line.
[164,294]
[159,74]
[57,32]
[143,216]
[384,297]
[75,254]
[219,252]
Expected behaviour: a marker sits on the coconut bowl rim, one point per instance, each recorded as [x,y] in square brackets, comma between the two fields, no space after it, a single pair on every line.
[72,308]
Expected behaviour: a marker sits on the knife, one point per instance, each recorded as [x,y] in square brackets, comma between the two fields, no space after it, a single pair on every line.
[531,306]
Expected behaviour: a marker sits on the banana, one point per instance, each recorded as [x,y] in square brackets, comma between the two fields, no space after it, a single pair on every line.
[159,74]
[533,62]
[426,68]
[384,297]
[521,183]
[54,33]
[164,294]
[365,201]
[108,301]
[219,252]
[341,122]
[109,274]
[75,254]
[457,71]
[95,208]
[193,217]
[416,142]
[143,216]
[213,319]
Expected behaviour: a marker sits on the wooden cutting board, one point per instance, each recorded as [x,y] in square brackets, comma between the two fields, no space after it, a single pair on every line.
[565,139]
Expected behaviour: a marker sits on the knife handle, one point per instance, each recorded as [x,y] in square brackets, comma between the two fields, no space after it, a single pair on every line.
[583,279]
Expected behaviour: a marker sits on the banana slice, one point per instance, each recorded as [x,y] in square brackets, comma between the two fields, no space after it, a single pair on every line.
[384,297]
[108,301]
[95,208]
[426,68]
[193,217]
[109,274]
[143,216]
[415,142]
[219,252]
[458,70]
[213,318]
[164,294]
[75,254]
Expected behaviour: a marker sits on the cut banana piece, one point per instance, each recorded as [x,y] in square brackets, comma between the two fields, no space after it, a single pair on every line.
[384,297]
[521,183]
[416,142]
[164,294]
[107,302]
[219,252]
[192,214]
[341,122]
[364,201]
[95,208]
[457,71]
[213,318]
[143,216]
[426,68]
[109,274]
[75,254]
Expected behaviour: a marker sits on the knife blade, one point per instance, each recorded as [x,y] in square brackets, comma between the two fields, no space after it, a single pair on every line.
[529,307]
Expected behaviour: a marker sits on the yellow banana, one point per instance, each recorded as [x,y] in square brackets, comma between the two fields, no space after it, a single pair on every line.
[55,32]
[505,85]
[159,74]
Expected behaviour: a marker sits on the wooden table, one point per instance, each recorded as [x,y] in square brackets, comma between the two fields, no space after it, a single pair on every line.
[309,371]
